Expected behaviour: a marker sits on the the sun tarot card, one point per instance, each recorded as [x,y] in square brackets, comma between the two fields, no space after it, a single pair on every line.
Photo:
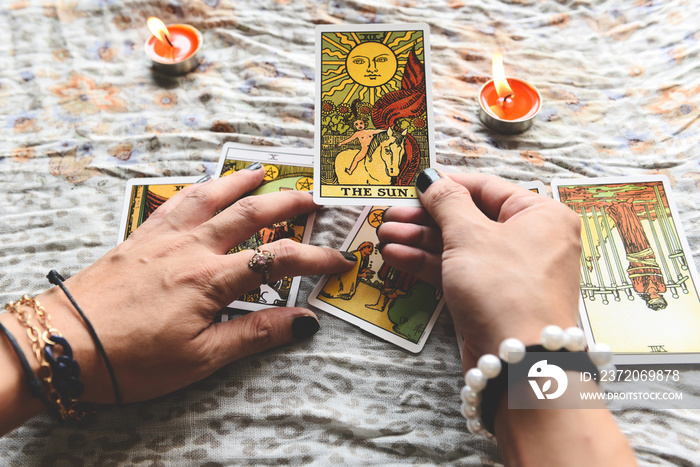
[374,121]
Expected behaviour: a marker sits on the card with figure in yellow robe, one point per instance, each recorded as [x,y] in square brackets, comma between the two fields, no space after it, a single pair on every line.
[393,305]
[638,281]
[285,169]
[373,114]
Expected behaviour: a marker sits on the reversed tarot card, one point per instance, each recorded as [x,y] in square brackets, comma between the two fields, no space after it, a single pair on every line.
[285,169]
[393,305]
[143,196]
[374,121]
[638,281]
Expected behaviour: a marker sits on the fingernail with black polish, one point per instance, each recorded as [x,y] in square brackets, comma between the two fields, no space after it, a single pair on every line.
[254,166]
[304,326]
[206,178]
[427,178]
[349,256]
[380,247]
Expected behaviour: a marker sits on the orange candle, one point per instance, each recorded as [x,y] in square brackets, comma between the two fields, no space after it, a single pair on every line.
[524,101]
[508,105]
[173,49]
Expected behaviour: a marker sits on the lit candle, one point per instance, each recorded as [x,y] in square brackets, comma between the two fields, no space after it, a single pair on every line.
[508,105]
[173,49]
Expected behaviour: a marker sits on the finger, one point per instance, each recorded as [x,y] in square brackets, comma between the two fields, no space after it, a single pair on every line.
[293,259]
[257,332]
[248,215]
[418,236]
[224,278]
[412,215]
[452,207]
[499,199]
[423,264]
[204,200]
[162,211]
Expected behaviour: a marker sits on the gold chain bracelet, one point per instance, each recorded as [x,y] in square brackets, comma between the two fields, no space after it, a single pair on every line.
[68,408]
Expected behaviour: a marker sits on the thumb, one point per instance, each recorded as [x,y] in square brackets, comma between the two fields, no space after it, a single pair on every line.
[449,203]
[258,331]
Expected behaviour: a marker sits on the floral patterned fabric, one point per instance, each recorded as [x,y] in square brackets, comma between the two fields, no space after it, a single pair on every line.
[81,113]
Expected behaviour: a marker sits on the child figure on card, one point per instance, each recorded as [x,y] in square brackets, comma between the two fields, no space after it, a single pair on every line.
[364,137]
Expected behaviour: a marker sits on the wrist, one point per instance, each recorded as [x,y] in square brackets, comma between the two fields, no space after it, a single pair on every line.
[65,318]
[529,334]
[495,376]
[16,403]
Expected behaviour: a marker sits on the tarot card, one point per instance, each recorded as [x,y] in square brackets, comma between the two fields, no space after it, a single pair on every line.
[394,305]
[374,120]
[638,281]
[285,169]
[143,196]
[535,186]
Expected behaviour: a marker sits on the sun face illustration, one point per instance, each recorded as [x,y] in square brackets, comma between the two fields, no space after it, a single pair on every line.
[371,64]
[365,66]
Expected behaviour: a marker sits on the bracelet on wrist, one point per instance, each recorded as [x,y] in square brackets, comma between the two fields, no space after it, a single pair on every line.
[486,384]
[56,279]
[58,370]
[34,385]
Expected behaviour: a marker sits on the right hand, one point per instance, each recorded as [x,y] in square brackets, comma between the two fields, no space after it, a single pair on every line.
[506,258]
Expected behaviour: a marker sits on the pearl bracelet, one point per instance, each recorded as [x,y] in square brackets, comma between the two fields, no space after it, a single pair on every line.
[512,351]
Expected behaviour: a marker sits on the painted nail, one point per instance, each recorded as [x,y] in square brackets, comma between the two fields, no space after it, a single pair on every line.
[427,178]
[311,192]
[304,326]
[206,178]
[349,256]
[380,247]
[254,166]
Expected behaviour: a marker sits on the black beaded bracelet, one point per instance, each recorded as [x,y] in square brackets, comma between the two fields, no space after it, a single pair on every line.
[55,278]
[36,389]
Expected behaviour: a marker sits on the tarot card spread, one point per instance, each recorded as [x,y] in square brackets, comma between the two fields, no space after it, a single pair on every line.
[374,121]
[284,170]
[638,281]
[394,305]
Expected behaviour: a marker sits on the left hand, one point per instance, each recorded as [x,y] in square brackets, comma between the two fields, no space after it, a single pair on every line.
[153,298]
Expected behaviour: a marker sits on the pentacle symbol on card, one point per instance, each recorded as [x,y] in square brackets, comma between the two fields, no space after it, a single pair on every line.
[305,184]
[376,217]
[271,172]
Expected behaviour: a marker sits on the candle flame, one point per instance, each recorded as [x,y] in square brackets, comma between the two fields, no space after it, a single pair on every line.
[159,30]
[499,76]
